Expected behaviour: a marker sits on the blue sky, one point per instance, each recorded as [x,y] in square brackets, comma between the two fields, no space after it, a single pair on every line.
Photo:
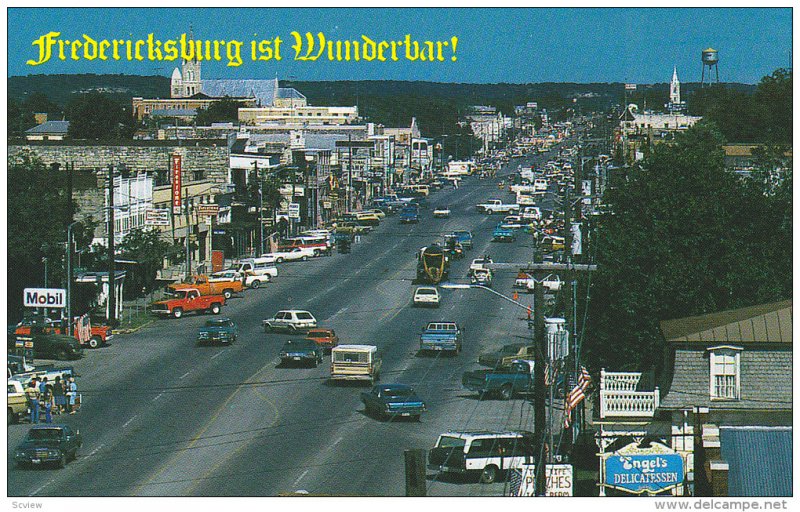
[495,45]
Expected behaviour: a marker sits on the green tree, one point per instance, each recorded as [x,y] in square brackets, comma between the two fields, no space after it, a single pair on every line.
[684,237]
[98,117]
[148,250]
[37,227]
[224,111]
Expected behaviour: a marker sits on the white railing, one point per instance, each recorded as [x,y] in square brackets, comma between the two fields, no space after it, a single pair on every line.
[619,398]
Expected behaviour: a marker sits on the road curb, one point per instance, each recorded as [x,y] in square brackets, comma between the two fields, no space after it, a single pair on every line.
[135,329]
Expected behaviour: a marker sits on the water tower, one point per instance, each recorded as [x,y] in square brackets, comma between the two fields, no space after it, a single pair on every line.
[710,59]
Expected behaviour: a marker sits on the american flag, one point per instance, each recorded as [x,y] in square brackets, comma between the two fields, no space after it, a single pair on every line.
[577,395]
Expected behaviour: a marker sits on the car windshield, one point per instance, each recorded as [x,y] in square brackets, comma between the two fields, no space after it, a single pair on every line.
[397,392]
[44,434]
[426,291]
[451,442]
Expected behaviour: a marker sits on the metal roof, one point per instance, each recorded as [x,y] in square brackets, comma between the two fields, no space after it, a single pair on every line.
[174,112]
[764,323]
[59,127]
[263,90]
[759,460]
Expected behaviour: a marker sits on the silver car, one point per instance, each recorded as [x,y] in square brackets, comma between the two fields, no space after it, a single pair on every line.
[291,320]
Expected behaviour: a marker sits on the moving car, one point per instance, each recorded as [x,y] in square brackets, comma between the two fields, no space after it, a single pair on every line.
[325,338]
[479,263]
[488,454]
[409,214]
[433,265]
[441,212]
[301,352]
[392,401]
[464,238]
[426,296]
[482,277]
[49,443]
[503,233]
[356,362]
[441,336]
[218,330]
[290,320]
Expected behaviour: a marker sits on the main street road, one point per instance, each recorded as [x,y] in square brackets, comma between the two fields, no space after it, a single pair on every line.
[163,417]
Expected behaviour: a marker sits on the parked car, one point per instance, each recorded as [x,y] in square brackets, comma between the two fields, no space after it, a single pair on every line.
[99,334]
[187,300]
[503,233]
[290,320]
[50,443]
[218,330]
[512,222]
[301,352]
[17,402]
[551,284]
[206,286]
[256,266]
[488,454]
[504,381]
[393,401]
[506,354]
[427,296]
[356,362]
[325,338]
[46,345]
[295,254]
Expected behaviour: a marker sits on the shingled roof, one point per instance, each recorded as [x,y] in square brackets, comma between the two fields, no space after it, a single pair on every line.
[770,323]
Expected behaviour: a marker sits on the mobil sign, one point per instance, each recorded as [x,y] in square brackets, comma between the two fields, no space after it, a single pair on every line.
[44,298]
[640,472]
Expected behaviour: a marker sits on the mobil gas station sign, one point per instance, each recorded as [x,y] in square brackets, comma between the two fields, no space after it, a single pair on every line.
[44,298]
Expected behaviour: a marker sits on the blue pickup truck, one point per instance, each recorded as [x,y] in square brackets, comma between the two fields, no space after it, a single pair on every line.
[505,381]
[504,234]
[441,337]
[409,214]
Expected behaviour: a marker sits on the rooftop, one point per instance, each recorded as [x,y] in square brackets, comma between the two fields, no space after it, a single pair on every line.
[54,127]
[764,323]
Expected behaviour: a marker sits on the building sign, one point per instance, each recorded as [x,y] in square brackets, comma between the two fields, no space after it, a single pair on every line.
[630,87]
[176,183]
[649,470]
[156,217]
[559,480]
[44,298]
[207,210]
[294,210]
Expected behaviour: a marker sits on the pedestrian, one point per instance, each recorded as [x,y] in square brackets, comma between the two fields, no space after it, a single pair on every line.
[32,393]
[43,385]
[72,394]
[47,400]
[58,395]
[358,239]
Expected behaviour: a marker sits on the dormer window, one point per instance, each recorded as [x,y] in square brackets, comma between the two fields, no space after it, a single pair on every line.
[724,382]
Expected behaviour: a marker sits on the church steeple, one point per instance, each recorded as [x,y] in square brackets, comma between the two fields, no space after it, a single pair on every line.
[675,88]
[190,72]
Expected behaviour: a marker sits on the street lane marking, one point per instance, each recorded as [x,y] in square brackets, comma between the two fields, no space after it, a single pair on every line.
[94,451]
[42,487]
[218,354]
[158,396]
[185,374]
[300,478]
[337,441]
[128,422]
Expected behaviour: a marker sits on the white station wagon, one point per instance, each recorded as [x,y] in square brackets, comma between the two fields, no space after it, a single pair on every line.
[291,320]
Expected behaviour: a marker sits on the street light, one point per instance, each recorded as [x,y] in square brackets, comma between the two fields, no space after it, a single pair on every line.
[459,286]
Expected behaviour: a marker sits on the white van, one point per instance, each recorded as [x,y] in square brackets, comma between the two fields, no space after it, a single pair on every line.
[256,266]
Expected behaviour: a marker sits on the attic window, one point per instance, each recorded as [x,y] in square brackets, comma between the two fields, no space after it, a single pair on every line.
[725,380]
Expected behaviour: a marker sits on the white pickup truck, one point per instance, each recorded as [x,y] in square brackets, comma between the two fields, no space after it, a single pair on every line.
[496,206]
[250,279]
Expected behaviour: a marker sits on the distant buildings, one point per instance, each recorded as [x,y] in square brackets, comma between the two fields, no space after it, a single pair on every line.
[48,130]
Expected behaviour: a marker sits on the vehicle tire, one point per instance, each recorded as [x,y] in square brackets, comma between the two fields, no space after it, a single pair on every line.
[267,278]
[267,328]
[316,253]
[215,308]
[62,462]
[255,284]
[61,355]
[177,312]
[489,474]
[95,341]
[304,258]
[506,392]
[227,293]
[279,260]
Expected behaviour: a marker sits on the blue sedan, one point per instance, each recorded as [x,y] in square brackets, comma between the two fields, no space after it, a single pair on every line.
[392,401]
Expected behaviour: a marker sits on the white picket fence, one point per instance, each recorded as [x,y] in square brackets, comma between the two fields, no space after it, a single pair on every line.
[619,398]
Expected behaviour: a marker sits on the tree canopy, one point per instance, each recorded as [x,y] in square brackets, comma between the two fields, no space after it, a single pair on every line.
[684,237]
[98,117]
[224,111]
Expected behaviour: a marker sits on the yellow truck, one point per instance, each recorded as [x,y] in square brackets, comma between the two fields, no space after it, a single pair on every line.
[210,287]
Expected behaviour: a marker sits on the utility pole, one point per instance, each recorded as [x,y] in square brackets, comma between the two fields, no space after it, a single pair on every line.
[112,273]
[69,279]
[260,210]
[349,174]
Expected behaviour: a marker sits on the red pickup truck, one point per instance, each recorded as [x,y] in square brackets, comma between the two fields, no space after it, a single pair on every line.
[100,333]
[186,300]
